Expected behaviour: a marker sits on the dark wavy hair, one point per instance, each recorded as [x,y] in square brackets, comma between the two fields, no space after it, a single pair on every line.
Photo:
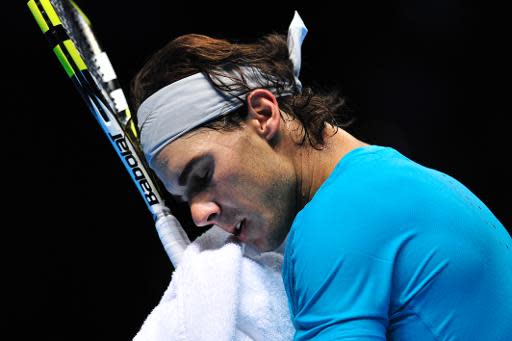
[193,53]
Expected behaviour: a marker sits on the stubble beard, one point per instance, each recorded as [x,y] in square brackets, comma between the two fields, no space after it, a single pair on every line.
[279,224]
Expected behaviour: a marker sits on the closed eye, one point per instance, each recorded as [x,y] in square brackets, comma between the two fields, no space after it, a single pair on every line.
[202,175]
[199,181]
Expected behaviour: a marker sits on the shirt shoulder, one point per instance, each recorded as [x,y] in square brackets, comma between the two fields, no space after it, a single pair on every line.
[370,187]
[355,250]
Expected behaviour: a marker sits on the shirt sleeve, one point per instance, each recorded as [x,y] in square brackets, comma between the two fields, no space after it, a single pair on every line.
[338,287]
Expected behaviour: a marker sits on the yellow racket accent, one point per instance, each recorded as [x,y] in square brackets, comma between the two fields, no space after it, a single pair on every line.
[81,12]
[50,11]
[131,125]
[75,55]
[38,16]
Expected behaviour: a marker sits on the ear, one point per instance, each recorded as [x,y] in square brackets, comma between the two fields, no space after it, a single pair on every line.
[263,113]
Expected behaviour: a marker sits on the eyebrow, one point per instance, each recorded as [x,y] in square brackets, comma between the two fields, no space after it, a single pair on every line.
[183,178]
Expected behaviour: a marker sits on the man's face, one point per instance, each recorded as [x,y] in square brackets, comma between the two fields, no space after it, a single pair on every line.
[230,178]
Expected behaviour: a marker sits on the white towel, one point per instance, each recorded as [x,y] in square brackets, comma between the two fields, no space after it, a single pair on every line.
[222,291]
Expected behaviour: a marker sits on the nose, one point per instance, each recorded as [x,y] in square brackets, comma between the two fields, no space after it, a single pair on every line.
[204,212]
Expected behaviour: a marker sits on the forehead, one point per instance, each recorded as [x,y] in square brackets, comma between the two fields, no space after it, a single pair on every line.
[177,153]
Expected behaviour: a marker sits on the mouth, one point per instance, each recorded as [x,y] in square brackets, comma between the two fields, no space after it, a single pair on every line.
[240,230]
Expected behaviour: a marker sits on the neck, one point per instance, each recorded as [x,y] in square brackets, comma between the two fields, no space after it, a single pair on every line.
[313,167]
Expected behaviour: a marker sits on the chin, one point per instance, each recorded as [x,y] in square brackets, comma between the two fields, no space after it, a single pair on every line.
[269,245]
[273,240]
[260,246]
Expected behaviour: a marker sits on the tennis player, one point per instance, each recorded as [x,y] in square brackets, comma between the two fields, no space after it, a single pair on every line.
[378,247]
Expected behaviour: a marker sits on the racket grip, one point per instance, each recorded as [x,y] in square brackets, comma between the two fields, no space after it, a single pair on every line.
[173,237]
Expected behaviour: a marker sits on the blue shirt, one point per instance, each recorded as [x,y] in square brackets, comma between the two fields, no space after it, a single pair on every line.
[390,250]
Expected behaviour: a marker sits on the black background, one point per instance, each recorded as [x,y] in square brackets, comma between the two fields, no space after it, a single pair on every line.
[82,259]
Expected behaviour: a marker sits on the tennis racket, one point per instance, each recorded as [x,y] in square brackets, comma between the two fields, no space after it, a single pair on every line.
[69,32]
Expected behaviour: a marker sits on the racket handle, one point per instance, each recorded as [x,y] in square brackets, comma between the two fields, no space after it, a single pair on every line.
[173,237]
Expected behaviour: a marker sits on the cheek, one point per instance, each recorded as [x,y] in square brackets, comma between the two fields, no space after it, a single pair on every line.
[239,188]
[244,177]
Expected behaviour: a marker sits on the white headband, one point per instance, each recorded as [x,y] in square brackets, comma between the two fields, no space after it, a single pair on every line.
[186,104]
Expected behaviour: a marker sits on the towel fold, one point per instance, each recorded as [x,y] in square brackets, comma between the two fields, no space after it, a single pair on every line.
[222,290]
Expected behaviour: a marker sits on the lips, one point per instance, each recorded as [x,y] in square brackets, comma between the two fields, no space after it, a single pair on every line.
[239,230]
